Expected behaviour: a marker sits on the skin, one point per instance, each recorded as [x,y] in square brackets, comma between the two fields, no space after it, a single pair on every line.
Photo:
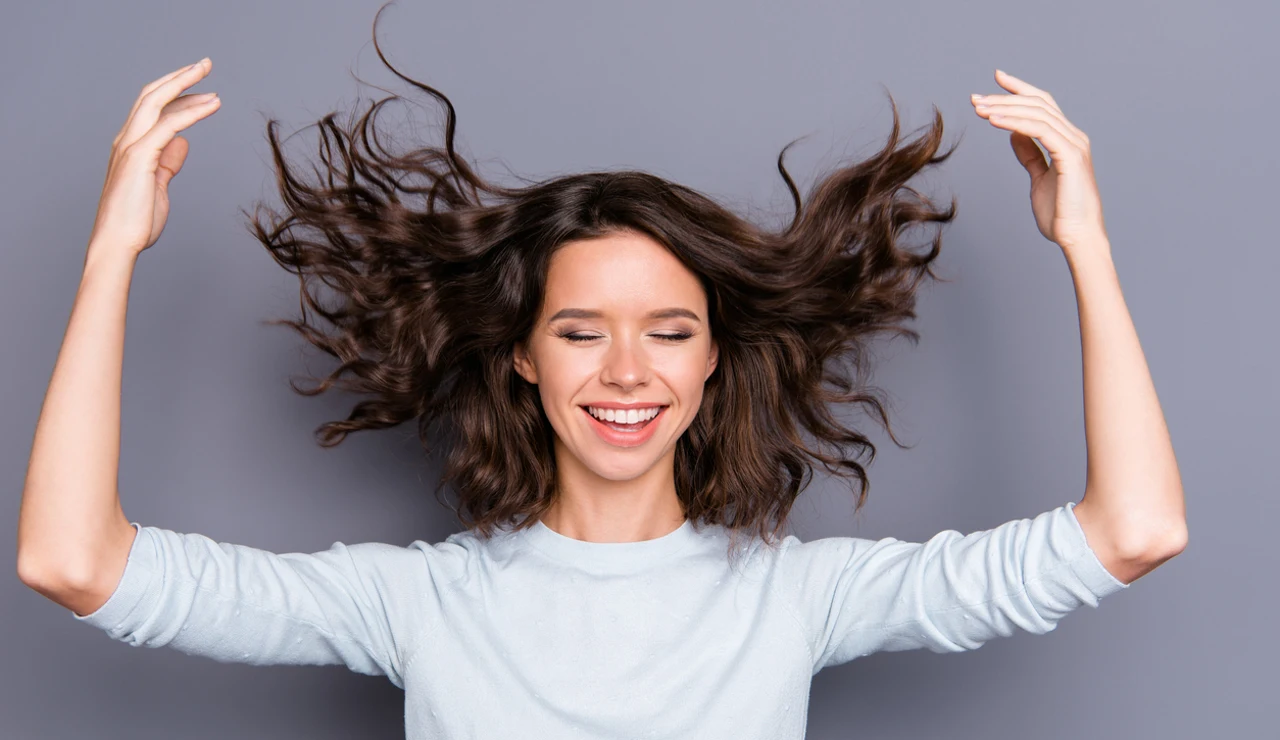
[1133,512]
[74,538]
[607,493]
[73,535]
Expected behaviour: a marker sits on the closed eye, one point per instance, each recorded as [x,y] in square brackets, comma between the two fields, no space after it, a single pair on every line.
[575,337]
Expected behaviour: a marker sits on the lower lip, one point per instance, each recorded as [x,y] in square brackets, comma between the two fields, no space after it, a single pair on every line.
[624,439]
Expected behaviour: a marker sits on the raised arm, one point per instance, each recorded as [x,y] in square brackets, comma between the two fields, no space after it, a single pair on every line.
[955,592]
[73,536]
[362,606]
[365,606]
[1133,510]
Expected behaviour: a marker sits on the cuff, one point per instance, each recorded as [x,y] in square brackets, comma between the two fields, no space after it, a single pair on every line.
[140,573]
[1086,564]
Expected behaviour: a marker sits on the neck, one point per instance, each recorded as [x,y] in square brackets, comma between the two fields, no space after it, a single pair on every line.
[592,508]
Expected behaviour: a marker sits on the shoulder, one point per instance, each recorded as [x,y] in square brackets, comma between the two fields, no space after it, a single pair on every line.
[817,567]
[788,560]
[796,554]
[442,563]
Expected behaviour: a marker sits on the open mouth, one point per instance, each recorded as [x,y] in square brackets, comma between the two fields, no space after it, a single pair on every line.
[624,428]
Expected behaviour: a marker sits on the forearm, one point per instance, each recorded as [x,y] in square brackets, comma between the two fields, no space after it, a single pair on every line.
[1133,491]
[70,505]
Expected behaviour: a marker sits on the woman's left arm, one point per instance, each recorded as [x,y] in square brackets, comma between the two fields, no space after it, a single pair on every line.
[1133,512]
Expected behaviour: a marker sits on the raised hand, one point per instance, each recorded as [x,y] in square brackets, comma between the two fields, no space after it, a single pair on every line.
[145,156]
[1064,193]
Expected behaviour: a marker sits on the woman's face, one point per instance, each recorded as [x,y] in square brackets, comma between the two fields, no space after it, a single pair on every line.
[623,323]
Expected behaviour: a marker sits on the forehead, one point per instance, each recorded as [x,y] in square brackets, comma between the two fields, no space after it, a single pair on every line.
[621,273]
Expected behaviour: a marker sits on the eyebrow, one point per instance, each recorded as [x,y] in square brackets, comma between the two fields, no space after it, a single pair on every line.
[661,313]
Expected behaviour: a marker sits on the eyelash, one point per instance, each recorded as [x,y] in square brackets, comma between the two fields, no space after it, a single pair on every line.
[576,337]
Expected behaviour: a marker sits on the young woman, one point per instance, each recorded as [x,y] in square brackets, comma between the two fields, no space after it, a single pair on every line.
[630,385]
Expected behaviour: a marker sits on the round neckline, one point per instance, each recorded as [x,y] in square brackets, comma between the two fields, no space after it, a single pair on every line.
[594,555]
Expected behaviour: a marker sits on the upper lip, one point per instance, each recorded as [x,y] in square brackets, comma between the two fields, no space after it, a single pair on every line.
[628,406]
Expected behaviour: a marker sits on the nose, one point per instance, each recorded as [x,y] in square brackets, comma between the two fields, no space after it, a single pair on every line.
[626,364]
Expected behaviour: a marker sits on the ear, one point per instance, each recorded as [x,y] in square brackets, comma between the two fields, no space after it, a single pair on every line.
[523,365]
[713,360]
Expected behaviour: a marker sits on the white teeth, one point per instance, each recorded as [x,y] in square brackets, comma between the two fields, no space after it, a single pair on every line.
[630,416]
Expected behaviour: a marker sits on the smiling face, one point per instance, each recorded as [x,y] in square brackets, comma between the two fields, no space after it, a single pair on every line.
[623,323]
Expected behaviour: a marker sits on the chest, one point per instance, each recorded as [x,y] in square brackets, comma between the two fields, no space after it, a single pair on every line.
[671,653]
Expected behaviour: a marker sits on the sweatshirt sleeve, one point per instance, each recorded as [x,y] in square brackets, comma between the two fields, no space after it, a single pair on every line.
[949,594]
[362,605]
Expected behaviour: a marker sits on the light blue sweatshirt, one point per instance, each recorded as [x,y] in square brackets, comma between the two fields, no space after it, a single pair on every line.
[534,634]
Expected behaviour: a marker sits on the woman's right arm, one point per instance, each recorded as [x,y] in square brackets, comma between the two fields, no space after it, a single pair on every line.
[73,536]
[362,605]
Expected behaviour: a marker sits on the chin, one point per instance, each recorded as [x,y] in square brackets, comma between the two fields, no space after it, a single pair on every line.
[618,470]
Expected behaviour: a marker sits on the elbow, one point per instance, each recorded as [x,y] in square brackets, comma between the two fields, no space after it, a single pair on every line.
[27,573]
[1144,532]
[1163,543]
[38,574]
[1154,553]
[1178,542]
[44,574]
[81,595]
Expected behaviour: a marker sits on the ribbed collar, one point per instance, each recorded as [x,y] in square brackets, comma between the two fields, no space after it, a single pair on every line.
[610,556]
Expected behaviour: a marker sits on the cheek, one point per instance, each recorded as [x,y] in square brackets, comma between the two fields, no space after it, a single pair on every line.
[686,369]
[561,376]
[688,381]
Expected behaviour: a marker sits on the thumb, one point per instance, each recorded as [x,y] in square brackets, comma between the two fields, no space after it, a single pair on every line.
[1028,154]
[171,159]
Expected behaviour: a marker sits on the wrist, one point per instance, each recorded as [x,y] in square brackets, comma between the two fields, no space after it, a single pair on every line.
[1088,251]
[108,256]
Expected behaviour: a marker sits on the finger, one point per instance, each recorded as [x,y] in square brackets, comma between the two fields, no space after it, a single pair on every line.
[181,104]
[157,83]
[147,89]
[1036,111]
[1060,148]
[1029,154]
[171,159]
[154,141]
[120,135]
[1036,100]
[155,97]
[1013,84]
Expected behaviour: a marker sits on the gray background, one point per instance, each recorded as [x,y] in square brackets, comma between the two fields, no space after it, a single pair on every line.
[1177,98]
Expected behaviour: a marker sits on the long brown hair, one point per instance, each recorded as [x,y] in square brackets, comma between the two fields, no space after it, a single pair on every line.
[433,297]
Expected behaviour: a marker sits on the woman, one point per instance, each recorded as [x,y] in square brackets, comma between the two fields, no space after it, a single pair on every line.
[630,384]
